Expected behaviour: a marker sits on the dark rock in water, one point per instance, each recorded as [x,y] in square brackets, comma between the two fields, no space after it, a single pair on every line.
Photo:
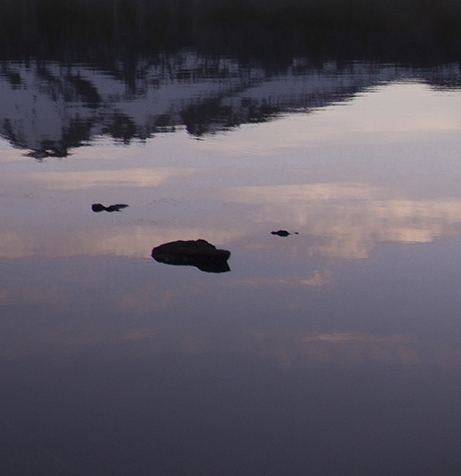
[98,207]
[199,253]
[281,233]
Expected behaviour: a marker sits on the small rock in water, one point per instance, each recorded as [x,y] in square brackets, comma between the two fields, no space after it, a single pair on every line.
[281,233]
[99,207]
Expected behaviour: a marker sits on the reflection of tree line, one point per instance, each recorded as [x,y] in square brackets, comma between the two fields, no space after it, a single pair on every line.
[86,108]
[186,89]
[120,28]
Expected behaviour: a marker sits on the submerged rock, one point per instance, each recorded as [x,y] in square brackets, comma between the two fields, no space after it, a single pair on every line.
[98,207]
[199,253]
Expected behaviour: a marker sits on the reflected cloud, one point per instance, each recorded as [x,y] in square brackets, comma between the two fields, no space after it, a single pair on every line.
[355,349]
[286,194]
[139,335]
[342,350]
[349,220]
[83,180]
[351,349]
[34,296]
[320,277]
[123,240]
[146,300]
[339,221]
[288,348]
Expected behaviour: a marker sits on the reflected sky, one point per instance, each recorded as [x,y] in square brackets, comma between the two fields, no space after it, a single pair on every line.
[347,179]
[324,340]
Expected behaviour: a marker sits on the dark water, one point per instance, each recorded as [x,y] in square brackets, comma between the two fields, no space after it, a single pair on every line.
[331,349]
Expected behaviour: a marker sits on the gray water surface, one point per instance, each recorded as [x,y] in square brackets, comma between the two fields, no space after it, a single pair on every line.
[332,351]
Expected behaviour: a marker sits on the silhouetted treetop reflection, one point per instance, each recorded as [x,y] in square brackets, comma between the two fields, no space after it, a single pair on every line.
[73,103]
[131,69]
[112,29]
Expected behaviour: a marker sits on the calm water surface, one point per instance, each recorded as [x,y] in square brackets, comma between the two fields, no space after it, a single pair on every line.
[332,351]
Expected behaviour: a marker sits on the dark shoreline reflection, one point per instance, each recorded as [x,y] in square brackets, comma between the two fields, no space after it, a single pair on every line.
[49,108]
[110,30]
[125,69]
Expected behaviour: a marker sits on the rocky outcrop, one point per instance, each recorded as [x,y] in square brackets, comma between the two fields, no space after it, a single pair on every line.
[199,253]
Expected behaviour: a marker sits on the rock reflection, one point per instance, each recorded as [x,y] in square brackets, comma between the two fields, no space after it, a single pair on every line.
[199,253]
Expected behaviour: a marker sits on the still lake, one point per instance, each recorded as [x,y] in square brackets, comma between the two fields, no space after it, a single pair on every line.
[335,350]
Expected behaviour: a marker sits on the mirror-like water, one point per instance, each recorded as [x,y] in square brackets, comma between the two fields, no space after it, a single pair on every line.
[321,335]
